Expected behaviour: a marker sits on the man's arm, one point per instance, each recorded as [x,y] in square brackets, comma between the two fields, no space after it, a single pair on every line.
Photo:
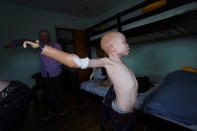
[15,43]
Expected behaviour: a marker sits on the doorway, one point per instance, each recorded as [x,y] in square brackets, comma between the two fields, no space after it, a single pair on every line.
[66,39]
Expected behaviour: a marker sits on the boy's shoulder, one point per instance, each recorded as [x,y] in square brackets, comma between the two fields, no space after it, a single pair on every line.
[114,63]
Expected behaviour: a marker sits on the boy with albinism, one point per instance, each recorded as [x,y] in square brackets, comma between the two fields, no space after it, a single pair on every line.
[118,105]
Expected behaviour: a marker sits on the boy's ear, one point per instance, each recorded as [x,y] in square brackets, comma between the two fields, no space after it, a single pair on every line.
[111,48]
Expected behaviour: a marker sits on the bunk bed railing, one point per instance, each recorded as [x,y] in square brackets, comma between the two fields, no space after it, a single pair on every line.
[117,16]
[92,31]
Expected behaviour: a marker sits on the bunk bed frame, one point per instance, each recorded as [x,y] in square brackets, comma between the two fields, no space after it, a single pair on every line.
[180,24]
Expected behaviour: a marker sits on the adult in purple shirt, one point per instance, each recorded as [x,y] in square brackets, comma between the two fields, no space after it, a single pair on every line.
[51,72]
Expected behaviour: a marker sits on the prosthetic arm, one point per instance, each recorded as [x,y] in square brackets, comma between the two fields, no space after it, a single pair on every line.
[70,60]
[67,59]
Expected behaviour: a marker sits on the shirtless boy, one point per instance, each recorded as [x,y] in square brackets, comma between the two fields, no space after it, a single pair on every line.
[118,105]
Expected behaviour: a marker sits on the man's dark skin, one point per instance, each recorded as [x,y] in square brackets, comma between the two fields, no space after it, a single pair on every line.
[44,37]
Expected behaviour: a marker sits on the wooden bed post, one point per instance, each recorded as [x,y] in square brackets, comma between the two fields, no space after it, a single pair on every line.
[81,49]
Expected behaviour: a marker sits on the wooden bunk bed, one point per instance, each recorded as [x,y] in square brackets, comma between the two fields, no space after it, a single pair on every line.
[172,19]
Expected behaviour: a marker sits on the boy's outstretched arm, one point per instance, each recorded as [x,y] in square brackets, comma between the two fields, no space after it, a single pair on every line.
[100,62]
[70,60]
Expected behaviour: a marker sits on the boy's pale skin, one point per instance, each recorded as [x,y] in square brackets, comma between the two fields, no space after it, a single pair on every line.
[123,79]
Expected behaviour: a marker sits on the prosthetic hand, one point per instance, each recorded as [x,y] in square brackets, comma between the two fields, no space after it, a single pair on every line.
[70,60]
[32,44]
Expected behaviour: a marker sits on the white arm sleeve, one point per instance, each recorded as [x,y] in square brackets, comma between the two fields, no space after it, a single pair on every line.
[82,63]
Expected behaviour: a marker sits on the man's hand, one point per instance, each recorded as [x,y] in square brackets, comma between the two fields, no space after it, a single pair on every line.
[32,44]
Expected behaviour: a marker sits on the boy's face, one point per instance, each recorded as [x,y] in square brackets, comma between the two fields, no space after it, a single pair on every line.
[121,46]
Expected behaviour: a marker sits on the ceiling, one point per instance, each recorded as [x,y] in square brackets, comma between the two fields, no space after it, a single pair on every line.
[79,8]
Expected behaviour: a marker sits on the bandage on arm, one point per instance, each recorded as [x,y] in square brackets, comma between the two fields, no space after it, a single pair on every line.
[70,60]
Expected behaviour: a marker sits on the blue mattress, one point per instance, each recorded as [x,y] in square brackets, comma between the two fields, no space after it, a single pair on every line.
[176,98]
